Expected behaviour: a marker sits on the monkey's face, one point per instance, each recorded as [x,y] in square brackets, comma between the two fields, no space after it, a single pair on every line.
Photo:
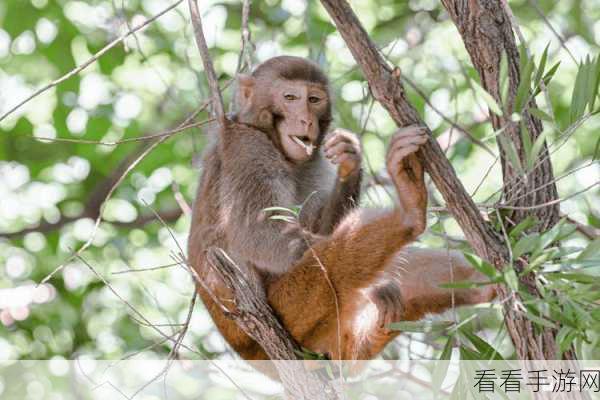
[299,106]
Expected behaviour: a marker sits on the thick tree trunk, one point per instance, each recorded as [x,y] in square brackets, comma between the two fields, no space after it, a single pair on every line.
[487,33]
[387,89]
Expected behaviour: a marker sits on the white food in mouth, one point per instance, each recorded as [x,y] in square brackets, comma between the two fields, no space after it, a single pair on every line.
[307,147]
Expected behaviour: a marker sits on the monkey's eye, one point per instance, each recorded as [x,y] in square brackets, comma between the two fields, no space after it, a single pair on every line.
[314,99]
[289,97]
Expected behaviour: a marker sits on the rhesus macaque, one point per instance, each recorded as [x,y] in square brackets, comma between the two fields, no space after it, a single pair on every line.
[276,151]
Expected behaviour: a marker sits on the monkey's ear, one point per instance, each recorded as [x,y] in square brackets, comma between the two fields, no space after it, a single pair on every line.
[246,85]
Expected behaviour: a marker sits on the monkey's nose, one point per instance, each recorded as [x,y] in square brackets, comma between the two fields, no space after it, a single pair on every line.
[306,123]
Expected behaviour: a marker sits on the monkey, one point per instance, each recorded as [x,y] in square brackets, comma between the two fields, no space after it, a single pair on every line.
[339,264]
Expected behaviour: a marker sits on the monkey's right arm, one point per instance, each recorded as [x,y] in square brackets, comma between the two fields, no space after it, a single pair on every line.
[343,149]
[255,177]
[343,199]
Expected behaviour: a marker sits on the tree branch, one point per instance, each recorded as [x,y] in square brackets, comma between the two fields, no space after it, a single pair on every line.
[90,61]
[487,33]
[386,86]
[388,90]
[255,317]
[211,77]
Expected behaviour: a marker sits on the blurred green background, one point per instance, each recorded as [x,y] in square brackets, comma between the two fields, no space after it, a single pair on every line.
[51,190]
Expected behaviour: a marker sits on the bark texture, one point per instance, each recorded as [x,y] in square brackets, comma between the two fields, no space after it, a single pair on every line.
[253,314]
[487,33]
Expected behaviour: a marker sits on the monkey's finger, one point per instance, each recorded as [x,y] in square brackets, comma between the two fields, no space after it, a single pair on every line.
[405,142]
[341,148]
[409,139]
[340,135]
[412,130]
[415,164]
[399,155]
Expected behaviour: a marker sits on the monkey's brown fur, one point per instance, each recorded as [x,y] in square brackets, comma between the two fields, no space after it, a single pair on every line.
[376,279]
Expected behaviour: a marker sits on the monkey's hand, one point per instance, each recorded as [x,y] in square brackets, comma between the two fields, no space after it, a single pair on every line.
[343,148]
[405,168]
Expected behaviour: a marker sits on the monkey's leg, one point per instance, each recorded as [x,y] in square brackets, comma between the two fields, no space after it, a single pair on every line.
[419,274]
[411,289]
[317,301]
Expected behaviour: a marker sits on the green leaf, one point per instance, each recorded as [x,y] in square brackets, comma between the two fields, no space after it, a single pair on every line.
[481,265]
[591,250]
[577,277]
[596,82]
[540,71]
[504,79]
[511,153]
[511,278]
[522,226]
[537,147]
[441,367]
[551,236]
[564,338]
[526,140]
[536,112]
[486,350]
[487,98]
[463,285]
[468,354]
[526,245]
[539,320]
[547,78]
[524,85]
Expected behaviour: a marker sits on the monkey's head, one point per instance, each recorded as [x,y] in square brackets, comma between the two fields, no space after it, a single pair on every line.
[287,97]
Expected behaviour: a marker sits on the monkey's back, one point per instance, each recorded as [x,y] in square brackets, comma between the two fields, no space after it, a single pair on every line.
[208,229]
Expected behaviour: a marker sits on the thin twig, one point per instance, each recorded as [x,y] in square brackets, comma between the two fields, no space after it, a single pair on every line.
[548,203]
[588,231]
[211,77]
[185,207]
[561,40]
[169,132]
[126,271]
[89,61]
[245,58]
[453,124]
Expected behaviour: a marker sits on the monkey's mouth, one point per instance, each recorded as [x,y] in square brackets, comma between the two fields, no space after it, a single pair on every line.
[305,143]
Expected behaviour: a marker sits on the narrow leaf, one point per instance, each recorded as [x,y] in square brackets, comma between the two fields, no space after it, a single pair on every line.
[527,223]
[524,86]
[441,367]
[526,140]
[591,250]
[537,147]
[536,112]
[540,71]
[481,265]
[482,346]
[487,98]
[511,153]
[511,279]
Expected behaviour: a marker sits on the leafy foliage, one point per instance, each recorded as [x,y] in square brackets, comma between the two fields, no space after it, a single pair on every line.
[50,177]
